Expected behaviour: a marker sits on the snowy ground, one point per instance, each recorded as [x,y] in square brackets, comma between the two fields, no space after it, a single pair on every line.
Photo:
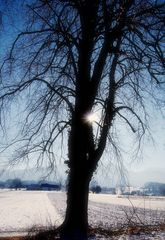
[113,212]
[21,210]
[152,202]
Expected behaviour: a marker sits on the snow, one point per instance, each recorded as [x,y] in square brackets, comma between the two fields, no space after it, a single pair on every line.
[114,212]
[23,210]
[110,211]
[154,203]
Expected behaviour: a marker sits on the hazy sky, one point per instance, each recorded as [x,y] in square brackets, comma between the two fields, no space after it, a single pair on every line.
[151,167]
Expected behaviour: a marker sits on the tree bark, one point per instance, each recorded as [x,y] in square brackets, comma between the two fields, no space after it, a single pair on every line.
[75,225]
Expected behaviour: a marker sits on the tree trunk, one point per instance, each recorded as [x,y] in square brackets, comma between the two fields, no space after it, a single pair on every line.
[75,225]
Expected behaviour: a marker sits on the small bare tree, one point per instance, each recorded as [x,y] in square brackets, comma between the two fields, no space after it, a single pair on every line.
[75,58]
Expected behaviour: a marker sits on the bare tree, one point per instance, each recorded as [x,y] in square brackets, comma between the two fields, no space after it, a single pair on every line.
[75,58]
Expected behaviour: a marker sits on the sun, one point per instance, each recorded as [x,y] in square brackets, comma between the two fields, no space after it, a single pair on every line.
[91,117]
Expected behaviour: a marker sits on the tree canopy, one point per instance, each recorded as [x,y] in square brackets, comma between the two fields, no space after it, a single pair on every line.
[75,58]
[123,64]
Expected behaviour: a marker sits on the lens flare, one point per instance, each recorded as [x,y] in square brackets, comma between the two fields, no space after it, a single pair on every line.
[91,117]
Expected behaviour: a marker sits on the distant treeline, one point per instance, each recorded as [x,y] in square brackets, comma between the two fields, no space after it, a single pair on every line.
[155,188]
[149,189]
[17,183]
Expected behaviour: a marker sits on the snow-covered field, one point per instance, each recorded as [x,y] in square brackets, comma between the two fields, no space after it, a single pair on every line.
[21,210]
[154,203]
[113,212]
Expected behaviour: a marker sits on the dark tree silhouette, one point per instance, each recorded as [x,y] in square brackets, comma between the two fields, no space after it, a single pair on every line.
[16,183]
[75,58]
[96,189]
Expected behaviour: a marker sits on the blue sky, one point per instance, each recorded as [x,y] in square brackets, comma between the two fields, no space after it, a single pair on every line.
[153,162]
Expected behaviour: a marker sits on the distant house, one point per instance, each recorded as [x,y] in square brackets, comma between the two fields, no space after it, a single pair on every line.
[50,187]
